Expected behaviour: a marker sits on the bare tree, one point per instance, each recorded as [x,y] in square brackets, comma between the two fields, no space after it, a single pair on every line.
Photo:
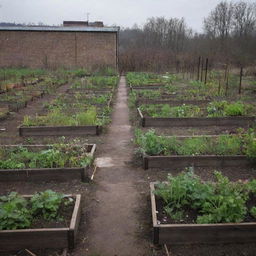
[244,18]
[219,23]
[165,44]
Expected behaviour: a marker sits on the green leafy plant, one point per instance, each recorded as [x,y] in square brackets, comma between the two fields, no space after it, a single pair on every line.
[165,110]
[149,142]
[223,108]
[17,212]
[214,202]
[14,212]
[253,212]
[56,156]
[250,140]
[46,204]
[57,117]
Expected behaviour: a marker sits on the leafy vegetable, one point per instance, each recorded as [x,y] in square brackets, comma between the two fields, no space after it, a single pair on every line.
[214,202]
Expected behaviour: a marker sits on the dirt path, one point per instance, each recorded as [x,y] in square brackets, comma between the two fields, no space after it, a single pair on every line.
[114,224]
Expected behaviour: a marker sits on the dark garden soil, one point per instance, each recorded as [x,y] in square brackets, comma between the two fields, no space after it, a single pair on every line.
[116,210]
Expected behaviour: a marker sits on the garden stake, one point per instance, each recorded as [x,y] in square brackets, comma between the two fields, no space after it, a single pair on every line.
[198,68]
[202,70]
[227,74]
[166,250]
[240,81]
[94,171]
[206,69]
[30,253]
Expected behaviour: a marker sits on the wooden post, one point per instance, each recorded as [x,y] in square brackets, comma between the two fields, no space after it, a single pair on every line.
[240,81]
[177,66]
[219,84]
[225,74]
[198,68]
[227,81]
[206,69]
[202,70]
[23,80]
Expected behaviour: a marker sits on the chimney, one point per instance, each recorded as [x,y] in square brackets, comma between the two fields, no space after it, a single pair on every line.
[96,24]
[75,23]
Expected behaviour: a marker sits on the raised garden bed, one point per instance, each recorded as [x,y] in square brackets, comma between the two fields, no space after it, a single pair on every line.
[59,121]
[93,100]
[47,174]
[178,234]
[146,87]
[42,238]
[90,90]
[195,121]
[171,102]
[200,151]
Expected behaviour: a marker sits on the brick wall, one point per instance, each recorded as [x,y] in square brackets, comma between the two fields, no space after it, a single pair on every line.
[57,49]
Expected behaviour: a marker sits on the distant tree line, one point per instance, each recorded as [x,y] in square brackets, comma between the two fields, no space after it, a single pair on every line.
[229,36]
[13,24]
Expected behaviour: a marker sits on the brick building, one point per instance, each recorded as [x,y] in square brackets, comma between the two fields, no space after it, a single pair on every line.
[64,46]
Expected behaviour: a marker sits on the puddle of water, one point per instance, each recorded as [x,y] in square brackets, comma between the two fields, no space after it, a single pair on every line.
[104,162]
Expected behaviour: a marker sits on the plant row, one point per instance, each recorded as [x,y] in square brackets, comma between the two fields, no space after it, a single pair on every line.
[54,156]
[239,144]
[17,212]
[187,199]
[212,109]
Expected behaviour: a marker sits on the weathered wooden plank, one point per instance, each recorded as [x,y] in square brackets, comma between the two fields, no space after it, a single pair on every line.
[33,239]
[90,90]
[239,121]
[197,161]
[59,130]
[147,87]
[208,234]
[43,174]
[171,102]
[74,223]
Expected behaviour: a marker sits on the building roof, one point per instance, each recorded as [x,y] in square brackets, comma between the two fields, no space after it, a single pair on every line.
[59,29]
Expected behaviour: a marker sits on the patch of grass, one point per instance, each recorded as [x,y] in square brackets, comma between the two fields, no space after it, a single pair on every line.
[165,110]
[58,117]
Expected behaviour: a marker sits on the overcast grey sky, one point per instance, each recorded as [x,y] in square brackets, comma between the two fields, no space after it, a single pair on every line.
[119,12]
